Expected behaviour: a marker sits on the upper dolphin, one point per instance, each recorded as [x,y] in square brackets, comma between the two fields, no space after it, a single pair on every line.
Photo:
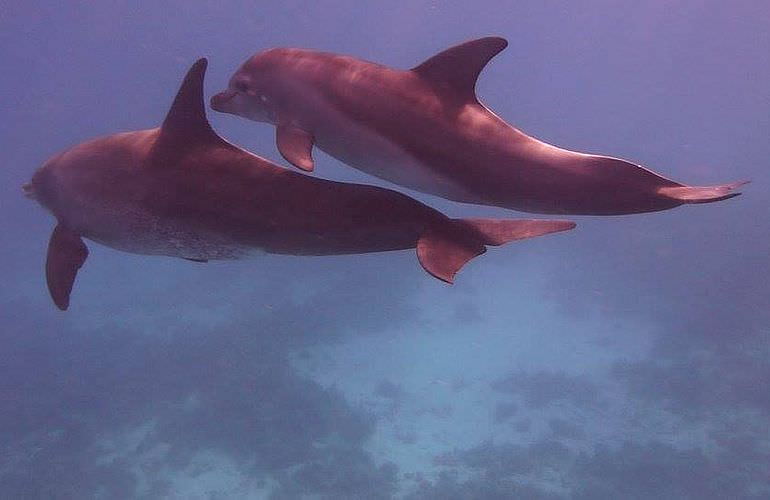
[181,190]
[425,129]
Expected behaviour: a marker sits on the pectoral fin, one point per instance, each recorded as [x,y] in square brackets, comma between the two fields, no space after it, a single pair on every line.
[296,146]
[66,254]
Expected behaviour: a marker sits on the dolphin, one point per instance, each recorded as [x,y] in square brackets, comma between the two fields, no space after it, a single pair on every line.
[426,129]
[180,190]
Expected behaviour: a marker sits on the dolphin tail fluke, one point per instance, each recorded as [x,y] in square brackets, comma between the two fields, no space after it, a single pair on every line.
[444,251]
[497,232]
[708,194]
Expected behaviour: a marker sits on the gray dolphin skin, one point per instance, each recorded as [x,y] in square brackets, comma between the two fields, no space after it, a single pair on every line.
[182,191]
[425,129]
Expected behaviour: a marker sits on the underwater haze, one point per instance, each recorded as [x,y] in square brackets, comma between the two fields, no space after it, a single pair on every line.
[626,359]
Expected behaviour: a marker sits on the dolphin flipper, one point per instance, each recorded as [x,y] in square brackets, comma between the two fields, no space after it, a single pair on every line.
[444,251]
[66,254]
[296,146]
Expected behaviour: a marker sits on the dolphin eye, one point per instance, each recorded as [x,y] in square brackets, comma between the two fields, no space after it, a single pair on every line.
[241,86]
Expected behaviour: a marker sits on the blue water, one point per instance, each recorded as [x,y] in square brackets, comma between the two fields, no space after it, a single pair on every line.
[627,359]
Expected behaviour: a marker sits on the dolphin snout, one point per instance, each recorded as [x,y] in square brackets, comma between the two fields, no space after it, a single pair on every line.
[29,190]
[219,101]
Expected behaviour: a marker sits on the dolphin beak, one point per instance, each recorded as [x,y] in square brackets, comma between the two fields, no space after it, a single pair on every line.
[219,101]
[29,191]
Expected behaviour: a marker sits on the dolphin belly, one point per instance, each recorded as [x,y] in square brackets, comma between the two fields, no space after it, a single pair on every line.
[367,150]
[146,234]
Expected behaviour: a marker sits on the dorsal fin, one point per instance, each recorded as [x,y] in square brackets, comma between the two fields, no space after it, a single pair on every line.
[185,126]
[457,68]
[186,120]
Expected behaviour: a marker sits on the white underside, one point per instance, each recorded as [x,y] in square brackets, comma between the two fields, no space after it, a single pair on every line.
[149,235]
[361,147]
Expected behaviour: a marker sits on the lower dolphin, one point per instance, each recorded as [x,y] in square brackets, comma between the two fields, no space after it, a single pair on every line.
[182,191]
[426,129]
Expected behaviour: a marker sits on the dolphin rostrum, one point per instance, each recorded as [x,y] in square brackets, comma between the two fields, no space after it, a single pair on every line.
[182,191]
[425,129]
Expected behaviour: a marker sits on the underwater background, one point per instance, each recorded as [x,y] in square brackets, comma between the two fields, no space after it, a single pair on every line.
[627,359]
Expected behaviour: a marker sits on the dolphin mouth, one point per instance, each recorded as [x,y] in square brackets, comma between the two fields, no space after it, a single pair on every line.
[29,190]
[220,100]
